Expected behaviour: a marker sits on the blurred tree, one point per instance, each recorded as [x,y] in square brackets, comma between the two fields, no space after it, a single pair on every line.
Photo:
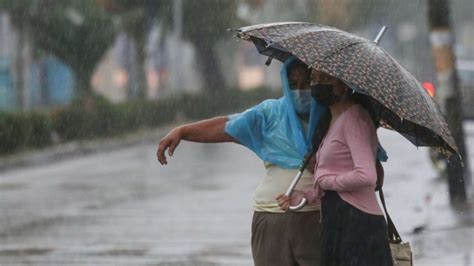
[77,32]
[136,18]
[205,24]
[19,65]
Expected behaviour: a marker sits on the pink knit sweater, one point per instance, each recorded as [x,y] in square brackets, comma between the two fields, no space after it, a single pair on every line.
[345,161]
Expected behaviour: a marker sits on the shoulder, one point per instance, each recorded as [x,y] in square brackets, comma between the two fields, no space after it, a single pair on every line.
[259,111]
[357,116]
[269,103]
[358,112]
[269,106]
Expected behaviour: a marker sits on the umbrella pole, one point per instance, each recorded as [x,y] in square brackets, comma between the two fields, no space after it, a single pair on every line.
[295,181]
[380,34]
[324,125]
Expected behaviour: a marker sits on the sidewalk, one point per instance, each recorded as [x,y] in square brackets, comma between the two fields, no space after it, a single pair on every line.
[418,202]
[62,151]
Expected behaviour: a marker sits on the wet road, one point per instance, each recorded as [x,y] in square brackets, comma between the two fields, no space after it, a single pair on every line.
[122,208]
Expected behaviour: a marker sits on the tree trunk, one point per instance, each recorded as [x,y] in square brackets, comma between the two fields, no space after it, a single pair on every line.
[142,84]
[129,64]
[43,82]
[448,94]
[19,70]
[82,87]
[209,67]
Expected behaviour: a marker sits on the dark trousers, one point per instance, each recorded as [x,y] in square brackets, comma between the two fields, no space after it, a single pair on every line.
[286,239]
[351,237]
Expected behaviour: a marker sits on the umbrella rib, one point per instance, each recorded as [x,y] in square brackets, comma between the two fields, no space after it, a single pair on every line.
[416,135]
[277,40]
[380,114]
[342,48]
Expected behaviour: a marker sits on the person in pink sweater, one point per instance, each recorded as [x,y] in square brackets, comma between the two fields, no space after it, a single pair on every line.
[354,231]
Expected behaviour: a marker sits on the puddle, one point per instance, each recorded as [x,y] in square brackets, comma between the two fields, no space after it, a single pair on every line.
[77,186]
[122,252]
[12,186]
[25,252]
[206,187]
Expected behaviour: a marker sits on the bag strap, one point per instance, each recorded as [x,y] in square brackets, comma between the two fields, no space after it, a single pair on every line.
[393,235]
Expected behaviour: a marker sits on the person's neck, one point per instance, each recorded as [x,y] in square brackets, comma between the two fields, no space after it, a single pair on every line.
[338,108]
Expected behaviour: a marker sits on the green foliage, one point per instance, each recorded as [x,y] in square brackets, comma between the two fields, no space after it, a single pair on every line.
[205,23]
[149,113]
[39,129]
[222,102]
[208,19]
[136,18]
[21,130]
[92,117]
[95,117]
[87,117]
[77,32]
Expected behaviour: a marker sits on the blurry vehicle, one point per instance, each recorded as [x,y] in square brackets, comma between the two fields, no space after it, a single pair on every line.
[465,69]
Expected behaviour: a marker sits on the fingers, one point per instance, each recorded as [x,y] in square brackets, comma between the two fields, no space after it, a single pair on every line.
[282,198]
[160,154]
[283,202]
[169,142]
[172,147]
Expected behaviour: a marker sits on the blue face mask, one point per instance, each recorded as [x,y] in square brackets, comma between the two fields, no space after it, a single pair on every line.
[302,101]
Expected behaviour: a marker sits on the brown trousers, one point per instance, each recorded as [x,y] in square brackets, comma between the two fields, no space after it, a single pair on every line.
[286,239]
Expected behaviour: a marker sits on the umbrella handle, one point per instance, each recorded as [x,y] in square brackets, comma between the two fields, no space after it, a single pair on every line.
[292,187]
[299,206]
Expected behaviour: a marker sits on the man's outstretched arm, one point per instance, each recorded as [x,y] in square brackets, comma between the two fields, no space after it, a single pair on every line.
[204,131]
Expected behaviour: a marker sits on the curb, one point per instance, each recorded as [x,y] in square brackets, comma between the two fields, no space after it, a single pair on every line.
[58,152]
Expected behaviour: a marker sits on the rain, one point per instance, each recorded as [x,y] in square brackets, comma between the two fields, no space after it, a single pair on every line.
[89,88]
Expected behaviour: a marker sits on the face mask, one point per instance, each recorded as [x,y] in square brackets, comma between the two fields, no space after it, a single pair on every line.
[302,101]
[324,94]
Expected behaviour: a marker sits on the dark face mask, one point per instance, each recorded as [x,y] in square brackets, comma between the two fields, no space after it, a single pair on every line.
[324,94]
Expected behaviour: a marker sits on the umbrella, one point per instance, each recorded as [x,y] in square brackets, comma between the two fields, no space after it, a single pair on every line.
[397,98]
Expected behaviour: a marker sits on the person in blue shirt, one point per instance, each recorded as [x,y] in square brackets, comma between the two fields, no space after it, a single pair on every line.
[280,133]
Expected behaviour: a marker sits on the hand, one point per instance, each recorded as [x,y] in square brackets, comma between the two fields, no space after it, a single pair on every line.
[285,202]
[169,142]
[311,164]
[318,190]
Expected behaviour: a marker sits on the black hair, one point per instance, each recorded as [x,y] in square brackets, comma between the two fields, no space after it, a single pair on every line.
[294,64]
[321,130]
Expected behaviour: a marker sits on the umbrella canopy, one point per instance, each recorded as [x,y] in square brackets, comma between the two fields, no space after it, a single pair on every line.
[397,98]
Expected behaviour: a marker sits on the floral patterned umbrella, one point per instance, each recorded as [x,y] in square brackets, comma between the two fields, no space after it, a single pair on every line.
[397,98]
